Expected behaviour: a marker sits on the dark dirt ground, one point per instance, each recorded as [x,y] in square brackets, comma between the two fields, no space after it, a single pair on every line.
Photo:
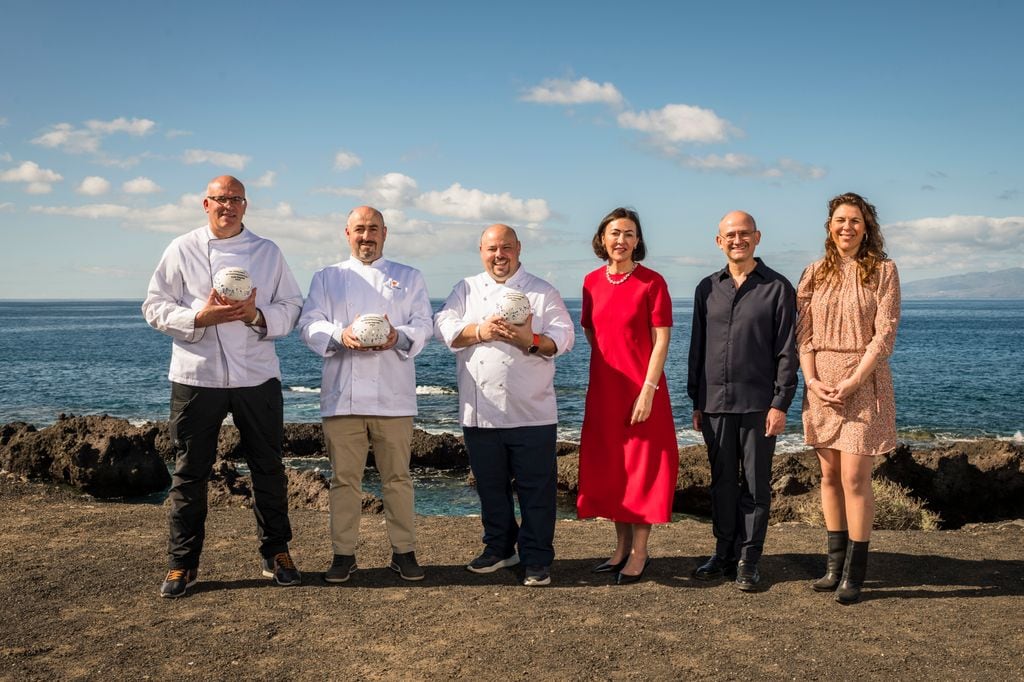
[78,600]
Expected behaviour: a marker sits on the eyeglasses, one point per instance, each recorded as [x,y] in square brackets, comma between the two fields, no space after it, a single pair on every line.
[224,201]
[741,236]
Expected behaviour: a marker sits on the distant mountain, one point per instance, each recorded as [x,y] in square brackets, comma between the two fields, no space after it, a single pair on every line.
[999,284]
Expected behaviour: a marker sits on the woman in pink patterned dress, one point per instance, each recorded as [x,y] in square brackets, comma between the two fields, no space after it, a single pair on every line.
[849,308]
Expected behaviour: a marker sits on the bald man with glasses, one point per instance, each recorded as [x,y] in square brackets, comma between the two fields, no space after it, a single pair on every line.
[742,378]
[223,361]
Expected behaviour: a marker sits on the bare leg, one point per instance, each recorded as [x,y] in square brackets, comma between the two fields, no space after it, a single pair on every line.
[860,498]
[638,553]
[623,541]
[833,502]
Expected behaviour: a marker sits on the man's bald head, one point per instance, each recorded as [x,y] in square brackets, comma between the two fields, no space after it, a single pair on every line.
[499,251]
[225,205]
[738,237]
[366,232]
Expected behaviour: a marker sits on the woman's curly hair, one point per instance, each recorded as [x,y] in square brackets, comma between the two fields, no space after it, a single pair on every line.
[872,248]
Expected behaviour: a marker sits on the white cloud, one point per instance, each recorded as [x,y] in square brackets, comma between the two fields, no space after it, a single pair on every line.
[6,206]
[473,204]
[106,272]
[86,140]
[93,211]
[38,180]
[345,160]
[234,161]
[5,157]
[678,123]
[265,180]
[567,92]
[140,185]
[742,164]
[957,242]
[64,136]
[391,190]
[671,128]
[93,186]
[134,126]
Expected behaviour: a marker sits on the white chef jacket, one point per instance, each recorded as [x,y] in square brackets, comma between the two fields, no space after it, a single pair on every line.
[500,385]
[369,383]
[232,354]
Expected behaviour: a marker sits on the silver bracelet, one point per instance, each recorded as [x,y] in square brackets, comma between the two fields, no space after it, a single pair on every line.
[648,383]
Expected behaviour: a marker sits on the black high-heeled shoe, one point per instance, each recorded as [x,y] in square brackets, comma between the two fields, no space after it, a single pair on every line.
[609,567]
[626,579]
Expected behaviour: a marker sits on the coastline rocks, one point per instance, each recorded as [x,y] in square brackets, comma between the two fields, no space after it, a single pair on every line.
[964,482]
[100,455]
[307,489]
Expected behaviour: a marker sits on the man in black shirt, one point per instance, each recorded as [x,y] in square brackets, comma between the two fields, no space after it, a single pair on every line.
[742,377]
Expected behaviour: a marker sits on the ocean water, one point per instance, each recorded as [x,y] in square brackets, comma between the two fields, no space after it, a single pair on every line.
[958,368]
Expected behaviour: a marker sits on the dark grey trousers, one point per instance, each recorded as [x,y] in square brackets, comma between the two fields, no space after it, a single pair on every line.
[526,455]
[741,493]
[196,416]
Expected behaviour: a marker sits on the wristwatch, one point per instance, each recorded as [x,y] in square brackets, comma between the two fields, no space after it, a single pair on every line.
[535,346]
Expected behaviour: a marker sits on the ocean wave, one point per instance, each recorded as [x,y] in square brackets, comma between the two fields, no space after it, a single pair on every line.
[435,390]
[303,389]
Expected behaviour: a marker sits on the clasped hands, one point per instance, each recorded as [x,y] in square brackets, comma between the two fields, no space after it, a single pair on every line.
[218,310]
[350,341]
[834,395]
[497,328]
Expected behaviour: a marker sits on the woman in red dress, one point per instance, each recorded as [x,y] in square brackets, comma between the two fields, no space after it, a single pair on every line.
[628,453]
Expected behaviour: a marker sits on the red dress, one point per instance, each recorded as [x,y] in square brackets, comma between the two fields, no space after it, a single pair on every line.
[627,473]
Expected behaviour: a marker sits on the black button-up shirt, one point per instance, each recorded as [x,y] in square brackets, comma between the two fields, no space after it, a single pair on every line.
[743,355]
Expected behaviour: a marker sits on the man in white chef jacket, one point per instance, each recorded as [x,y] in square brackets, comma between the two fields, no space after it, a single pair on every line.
[223,360]
[507,402]
[368,394]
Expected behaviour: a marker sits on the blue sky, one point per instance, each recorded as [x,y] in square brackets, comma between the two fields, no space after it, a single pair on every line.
[452,116]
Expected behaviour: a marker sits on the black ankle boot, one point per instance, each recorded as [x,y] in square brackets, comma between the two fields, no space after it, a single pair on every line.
[853,573]
[837,540]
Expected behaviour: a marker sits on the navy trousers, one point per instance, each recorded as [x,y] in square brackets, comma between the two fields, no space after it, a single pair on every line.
[741,493]
[525,455]
[196,416]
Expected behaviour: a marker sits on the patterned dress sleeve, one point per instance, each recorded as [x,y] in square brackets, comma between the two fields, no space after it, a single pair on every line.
[887,311]
[804,320]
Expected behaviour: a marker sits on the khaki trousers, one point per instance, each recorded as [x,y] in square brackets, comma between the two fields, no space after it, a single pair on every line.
[348,439]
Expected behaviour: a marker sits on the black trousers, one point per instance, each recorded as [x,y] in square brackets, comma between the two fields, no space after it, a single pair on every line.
[196,416]
[741,492]
[525,454]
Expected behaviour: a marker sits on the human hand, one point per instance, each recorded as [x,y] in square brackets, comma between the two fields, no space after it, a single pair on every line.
[218,310]
[847,387]
[642,405]
[698,420]
[775,422]
[825,392]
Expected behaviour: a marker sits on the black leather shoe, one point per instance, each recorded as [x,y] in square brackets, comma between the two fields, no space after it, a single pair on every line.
[747,576]
[715,568]
[608,567]
[626,579]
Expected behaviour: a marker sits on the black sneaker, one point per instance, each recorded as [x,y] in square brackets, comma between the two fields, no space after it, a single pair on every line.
[282,569]
[177,581]
[405,565]
[537,576]
[343,566]
[489,563]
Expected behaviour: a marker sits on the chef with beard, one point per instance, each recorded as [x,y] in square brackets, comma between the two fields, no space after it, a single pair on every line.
[368,393]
